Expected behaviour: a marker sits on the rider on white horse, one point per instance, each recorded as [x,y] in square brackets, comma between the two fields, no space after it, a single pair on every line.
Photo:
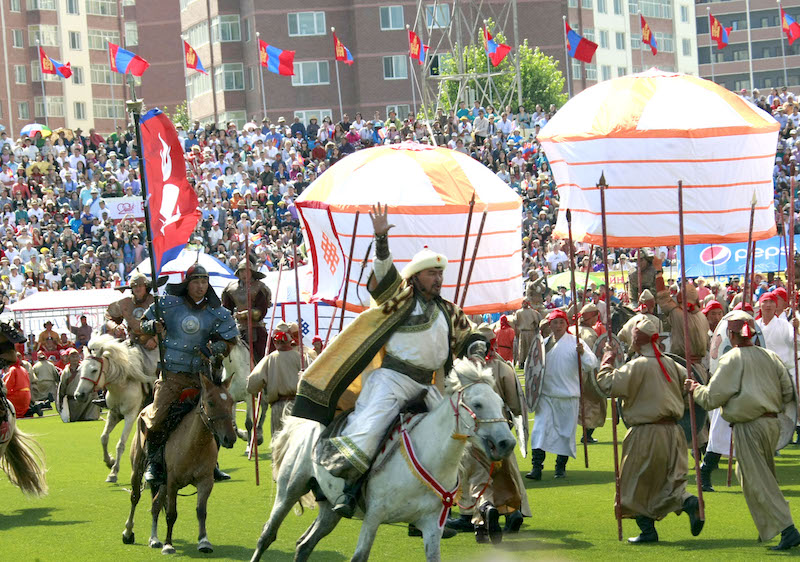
[420,333]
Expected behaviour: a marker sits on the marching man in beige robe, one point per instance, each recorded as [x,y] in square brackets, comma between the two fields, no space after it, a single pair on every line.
[526,323]
[751,384]
[594,405]
[277,375]
[654,464]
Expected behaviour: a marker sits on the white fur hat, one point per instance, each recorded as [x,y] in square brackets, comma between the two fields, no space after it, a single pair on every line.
[424,259]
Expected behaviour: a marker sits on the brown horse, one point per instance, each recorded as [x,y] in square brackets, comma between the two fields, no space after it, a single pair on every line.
[190,456]
[21,457]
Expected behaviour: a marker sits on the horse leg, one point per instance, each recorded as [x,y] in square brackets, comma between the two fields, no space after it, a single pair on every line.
[136,487]
[248,422]
[111,423]
[432,537]
[203,491]
[325,522]
[123,439]
[155,510]
[369,527]
[172,514]
[261,418]
[289,492]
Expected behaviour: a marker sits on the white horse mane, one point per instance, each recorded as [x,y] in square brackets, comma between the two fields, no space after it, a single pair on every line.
[121,359]
[465,373]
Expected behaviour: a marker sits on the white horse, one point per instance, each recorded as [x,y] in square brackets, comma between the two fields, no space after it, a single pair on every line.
[120,369]
[470,411]
[236,367]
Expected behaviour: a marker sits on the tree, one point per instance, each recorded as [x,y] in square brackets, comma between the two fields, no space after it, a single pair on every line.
[542,81]
[180,116]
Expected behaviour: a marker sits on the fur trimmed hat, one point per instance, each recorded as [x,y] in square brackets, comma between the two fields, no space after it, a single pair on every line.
[422,260]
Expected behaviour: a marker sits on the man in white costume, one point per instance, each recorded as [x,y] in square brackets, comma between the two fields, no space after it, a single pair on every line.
[556,417]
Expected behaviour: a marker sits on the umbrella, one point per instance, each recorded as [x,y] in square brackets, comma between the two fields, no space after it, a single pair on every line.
[647,131]
[428,191]
[219,274]
[33,128]
[67,132]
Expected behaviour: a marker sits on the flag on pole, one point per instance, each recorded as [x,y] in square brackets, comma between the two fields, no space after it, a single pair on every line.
[719,33]
[416,49]
[790,27]
[191,59]
[342,53]
[647,36]
[123,61]
[52,66]
[497,52]
[171,201]
[579,47]
[276,60]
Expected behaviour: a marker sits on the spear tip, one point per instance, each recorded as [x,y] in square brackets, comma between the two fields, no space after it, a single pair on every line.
[602,179]
[569,215]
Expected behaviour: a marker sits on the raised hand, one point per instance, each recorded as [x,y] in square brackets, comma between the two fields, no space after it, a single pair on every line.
[380,219]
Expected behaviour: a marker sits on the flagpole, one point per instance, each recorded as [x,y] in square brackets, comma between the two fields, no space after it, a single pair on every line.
[44,96]
[710,45]
[641,43]
[783,49]
[567,61]
[134,106]
[261,74]
[186,81]
[114,110]
[488,63]
[411,72]
[338,83]
[750,43]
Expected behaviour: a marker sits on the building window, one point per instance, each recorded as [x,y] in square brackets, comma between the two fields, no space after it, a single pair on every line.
[17,39]
[572,3]
[128,2]
[437,16]
[131,34]
[633,6]
[605,72]
[75,40]
[306,115]
[311,73]
[684,14]
[306,23]
[603,39]
[199,84]
[197,35]
[601,7]
[617,7]
[591,72]
[620,39]
[46,35]
[656,8]
[77,75]
[108,109]
[226,29]
[79,110]
[184,3]
[101,7]
[588,33]
[102,74]
[23,110]
[230,77]
[636,41]
[55,106]
[73,7]
[21,74]
[392,18]
[36,73]
[41,5]
[666,43]
[100,38]
[686,47]
[395,67]
[586,4]
[402,110]
[237,117]
[576,69]
[13,5]
[622,71]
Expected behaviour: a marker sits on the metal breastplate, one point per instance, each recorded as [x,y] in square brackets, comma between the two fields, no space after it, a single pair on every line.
[237,291]
[187,329]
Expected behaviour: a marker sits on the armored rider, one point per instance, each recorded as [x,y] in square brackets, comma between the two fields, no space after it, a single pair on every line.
[194,327]
[123,318]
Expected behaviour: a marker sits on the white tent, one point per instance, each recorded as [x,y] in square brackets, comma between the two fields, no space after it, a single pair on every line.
[219,274]
[55,306]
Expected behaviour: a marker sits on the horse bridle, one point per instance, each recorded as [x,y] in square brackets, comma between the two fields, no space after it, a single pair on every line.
[208,420]
[100,372]
[461,404]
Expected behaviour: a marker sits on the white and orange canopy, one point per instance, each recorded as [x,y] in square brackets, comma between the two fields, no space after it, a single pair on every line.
[646,132]
[428,191]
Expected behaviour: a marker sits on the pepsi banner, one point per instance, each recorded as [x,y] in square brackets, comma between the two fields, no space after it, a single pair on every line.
[708,260]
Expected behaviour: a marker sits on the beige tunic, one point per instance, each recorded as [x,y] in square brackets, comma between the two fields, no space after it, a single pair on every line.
[654,462]
[698,328]
[130,312]
[277,375]
[748,383]
[594,405]
[44,380]
[626,332]
[526,323]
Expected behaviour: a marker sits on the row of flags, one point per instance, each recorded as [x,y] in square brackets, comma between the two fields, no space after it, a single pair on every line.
[119,59]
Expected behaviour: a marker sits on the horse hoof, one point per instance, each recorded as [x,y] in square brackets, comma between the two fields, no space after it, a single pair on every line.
[205,546]
[111,478]
[155,543]
[243,435]
[128,539]
[260,440]
[168,549]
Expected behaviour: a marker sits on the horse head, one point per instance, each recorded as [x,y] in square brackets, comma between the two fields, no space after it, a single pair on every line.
[216,404]
[479,411]
[99,354]
[10,334]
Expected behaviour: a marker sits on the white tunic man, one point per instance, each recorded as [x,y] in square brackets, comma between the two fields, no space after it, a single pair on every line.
[556,417]
[752,385]
[419,332]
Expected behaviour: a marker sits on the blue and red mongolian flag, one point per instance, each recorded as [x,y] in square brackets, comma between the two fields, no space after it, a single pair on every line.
[341,52]
[719,33]
[579,47]
[125,62]
[647,36]
[497,52]
[416,50]
[52,66]
[171,201]
[191,59]
[276,60]
[790,27]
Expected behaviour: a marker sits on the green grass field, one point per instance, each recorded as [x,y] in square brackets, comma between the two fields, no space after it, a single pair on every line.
[83,517]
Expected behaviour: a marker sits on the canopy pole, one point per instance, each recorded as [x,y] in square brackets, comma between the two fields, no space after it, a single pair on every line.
[577,337]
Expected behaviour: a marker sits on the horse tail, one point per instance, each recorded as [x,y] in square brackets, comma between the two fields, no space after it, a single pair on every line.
[24,464]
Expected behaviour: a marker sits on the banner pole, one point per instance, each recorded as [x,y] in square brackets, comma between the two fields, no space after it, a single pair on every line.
[338,83]
[472,263]
[464,248]
[44,97]
[578,336]
[347,274]
[710,45]
[297,299]
[261,78]
[567,62]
